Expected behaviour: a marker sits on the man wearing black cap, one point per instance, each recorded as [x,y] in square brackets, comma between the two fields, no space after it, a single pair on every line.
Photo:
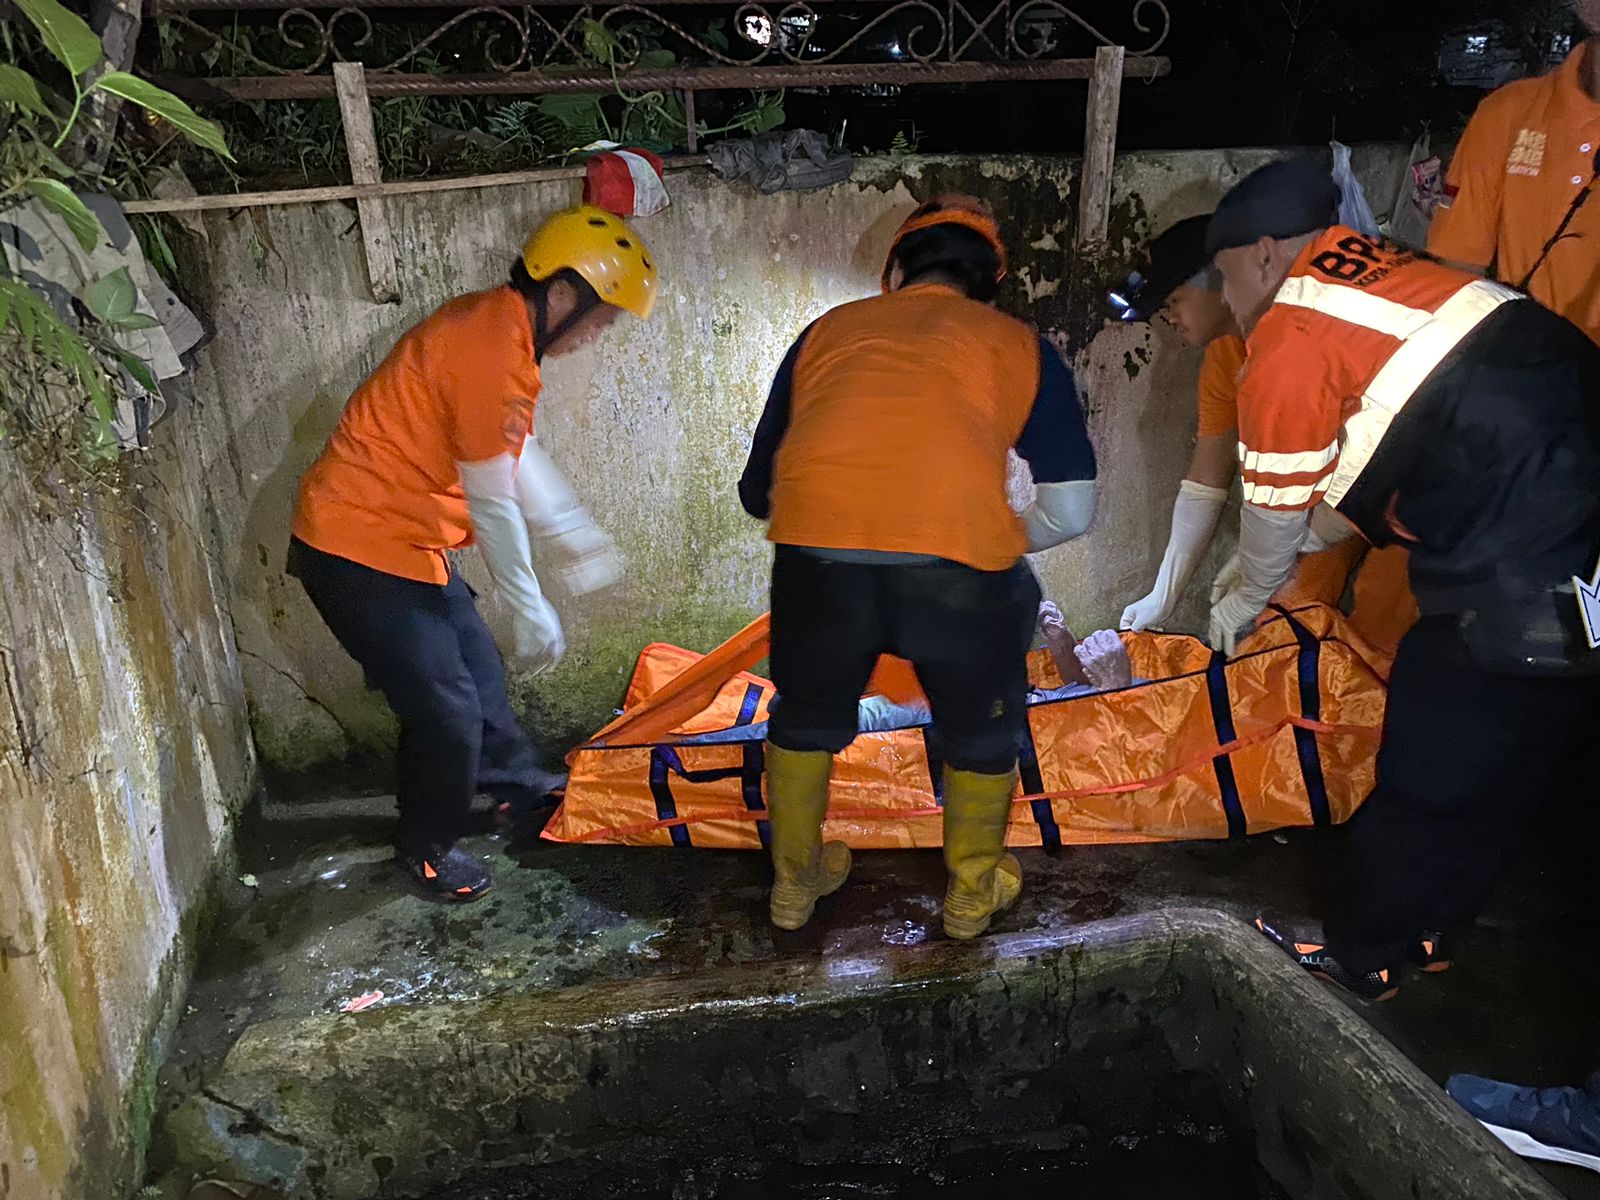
[1179,282]
[1434,408]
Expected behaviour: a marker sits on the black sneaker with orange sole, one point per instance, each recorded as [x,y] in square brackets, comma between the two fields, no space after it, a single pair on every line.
[1376,986]
[1431,954]
[446,873]
[527,810]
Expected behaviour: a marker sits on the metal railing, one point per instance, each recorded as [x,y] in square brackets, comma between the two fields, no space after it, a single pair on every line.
[546,46]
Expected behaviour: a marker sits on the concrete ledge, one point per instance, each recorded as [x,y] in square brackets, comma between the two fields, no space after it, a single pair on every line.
[805,1061]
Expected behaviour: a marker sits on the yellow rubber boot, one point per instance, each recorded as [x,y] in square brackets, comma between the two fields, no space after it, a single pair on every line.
[804,869]
[984,879]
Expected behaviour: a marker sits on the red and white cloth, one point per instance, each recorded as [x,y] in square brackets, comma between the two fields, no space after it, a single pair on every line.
[626,182]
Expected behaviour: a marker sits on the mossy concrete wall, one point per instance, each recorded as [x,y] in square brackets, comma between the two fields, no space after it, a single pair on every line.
[1077,1039]
[653,425]
[125,753]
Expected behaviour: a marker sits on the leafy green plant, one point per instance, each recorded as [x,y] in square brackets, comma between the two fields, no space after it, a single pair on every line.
[905,142]
[56,358]
[495,133]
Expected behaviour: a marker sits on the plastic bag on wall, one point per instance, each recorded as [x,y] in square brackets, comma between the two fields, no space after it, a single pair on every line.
[41,251]
[626,182]
[1421,189]
[1354,210]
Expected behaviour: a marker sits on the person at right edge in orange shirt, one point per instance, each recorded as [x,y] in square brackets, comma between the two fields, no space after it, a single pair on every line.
[1518,202]
[1426,406]
[435,452]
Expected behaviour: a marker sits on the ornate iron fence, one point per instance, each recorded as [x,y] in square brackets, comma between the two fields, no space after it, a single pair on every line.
[544,46]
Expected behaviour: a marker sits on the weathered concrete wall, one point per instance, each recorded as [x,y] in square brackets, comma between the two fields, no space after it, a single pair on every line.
[653,426]
[124,754]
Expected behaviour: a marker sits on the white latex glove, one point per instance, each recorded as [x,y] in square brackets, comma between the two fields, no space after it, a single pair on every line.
[1105,660]
[591,560]
[1194,519]
[1227,578]
[1328,529]
[1052,621]
[1269,544]
[500,530]
[586,559]
[537,639]
[1059,513]
[1232,618]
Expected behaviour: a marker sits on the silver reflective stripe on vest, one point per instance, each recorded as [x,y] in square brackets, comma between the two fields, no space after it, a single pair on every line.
[1426,339]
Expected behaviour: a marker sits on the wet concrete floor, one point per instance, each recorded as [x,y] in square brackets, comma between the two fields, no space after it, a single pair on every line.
[329,919]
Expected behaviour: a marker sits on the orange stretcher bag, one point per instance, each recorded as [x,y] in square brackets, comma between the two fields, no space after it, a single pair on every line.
[1283,734]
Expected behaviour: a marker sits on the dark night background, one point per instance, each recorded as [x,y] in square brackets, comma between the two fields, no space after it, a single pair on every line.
[1244,72]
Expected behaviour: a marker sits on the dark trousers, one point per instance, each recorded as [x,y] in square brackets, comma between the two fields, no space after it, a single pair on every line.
[1466,762]
[426,648]
[967,632]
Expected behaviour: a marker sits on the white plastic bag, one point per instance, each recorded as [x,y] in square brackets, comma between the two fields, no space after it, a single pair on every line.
[1354,210]
[1421,190]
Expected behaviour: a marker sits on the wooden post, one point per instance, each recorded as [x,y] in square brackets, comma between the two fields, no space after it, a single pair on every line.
[361,143]
[117,22]
[689,118]
[1100,144]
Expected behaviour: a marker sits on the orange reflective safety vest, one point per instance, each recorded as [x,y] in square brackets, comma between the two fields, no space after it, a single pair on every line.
[1355,331]
[1284,734]
[904,410]
[1383,608]
[1445,411]
[459,386]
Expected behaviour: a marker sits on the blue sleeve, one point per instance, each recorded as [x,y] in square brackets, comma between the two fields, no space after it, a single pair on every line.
[755,485]
[1055,442]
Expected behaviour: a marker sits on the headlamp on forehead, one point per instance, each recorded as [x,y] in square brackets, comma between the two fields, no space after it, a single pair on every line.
[1124,299]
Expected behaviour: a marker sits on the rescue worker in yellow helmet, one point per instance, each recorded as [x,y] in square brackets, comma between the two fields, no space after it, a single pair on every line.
[434,452]
[880,463]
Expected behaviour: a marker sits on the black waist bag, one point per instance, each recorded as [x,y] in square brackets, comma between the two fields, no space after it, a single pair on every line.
[1531,631]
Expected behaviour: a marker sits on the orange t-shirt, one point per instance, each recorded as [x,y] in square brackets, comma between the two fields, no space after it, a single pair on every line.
[1527,153]
[1312,405]
[458,387]
[903,414]
[1219,387]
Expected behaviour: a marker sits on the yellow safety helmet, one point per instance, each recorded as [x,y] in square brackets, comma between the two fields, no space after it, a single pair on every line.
[951,209]
[602,250]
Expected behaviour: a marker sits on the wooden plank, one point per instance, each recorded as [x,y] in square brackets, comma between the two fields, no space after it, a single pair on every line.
[1100,144]
[345,191]
[361,143]
[689,119]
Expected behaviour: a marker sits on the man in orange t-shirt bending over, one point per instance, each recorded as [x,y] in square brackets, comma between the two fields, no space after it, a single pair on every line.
[880,463]
[435,451]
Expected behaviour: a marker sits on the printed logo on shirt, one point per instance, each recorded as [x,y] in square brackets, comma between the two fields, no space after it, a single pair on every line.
[1527,155]
[1361,262]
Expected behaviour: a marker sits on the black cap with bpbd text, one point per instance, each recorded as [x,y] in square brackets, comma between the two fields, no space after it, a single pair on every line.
[1281,200]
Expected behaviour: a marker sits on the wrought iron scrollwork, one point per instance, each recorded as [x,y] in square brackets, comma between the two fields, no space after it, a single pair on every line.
[539,35]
